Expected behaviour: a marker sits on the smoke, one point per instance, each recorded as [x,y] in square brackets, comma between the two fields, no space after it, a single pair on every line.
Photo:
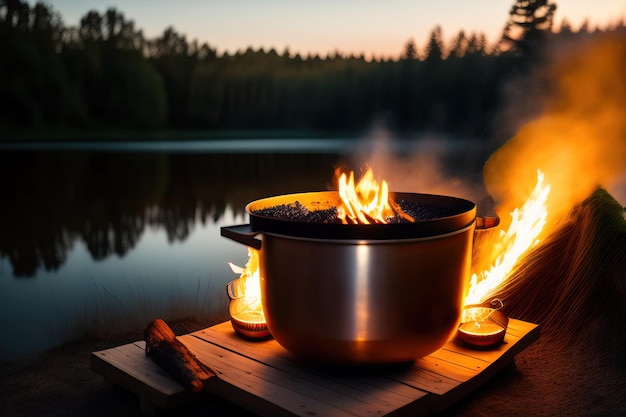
[427,164]
[578,141]
[576,137]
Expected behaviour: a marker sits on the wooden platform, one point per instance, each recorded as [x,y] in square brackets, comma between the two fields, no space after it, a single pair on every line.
[266,379]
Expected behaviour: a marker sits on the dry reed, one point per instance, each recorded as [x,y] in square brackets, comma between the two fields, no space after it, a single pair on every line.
[574,282]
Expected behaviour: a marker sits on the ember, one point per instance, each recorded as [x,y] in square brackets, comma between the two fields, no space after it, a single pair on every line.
[297,212]
[423,212]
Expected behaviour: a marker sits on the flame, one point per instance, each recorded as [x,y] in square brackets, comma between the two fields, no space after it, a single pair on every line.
[247,290]
[367,202]
[526,224]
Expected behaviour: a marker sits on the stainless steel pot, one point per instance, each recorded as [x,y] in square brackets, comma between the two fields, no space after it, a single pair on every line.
[361,294]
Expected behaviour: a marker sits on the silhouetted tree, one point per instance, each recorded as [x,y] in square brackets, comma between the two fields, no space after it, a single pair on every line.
[584,27]
[410,50]
[33,89]
[477,44]
[175,61]
[566,26]
[103,73]
[459,45]
[434,47]
[529,21]
[117,83]
[91,27]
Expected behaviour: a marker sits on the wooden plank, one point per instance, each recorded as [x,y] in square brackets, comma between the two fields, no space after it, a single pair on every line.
[423,380]
[449,374]
[468,365]
[128,367]
[272,354]
[439,373]
[520,328]
[279,392]
[268,380]
[512,346]
[267,351]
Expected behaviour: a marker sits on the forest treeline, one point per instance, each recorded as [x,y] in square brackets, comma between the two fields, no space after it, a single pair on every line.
[105,74]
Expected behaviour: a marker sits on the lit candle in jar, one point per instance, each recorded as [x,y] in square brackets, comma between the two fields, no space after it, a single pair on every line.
[245,309]
[246,322]
[482,327]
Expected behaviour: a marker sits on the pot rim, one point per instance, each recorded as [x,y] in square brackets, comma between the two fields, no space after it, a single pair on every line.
[464,213]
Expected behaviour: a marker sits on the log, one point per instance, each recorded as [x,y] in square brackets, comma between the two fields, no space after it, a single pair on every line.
[175,358]
[398,210]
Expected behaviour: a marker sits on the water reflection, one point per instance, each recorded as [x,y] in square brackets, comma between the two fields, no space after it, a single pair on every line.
[107,199]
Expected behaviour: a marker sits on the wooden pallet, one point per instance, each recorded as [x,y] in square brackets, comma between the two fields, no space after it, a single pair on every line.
[265,378]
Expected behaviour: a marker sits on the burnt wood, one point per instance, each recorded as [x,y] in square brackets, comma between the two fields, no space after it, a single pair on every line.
[172,356]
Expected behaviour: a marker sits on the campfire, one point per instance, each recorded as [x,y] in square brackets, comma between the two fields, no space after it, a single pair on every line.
[368,203]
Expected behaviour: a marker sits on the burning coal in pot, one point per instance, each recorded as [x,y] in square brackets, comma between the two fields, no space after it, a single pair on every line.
[364,203]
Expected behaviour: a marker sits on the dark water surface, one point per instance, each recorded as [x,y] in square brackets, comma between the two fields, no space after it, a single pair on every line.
[97,238]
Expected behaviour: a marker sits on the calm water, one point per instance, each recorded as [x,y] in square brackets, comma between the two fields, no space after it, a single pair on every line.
[96,239]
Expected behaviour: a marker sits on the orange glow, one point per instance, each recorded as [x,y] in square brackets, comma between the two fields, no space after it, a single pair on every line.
[481,328]
[367,202]
[245,292]
[483,325]
[578,140]
[526,224]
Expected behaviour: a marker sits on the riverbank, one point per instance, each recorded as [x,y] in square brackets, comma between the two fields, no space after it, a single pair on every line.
[546,379]
[110,135]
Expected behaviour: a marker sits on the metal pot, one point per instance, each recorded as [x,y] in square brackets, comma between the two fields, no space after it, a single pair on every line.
[361,294]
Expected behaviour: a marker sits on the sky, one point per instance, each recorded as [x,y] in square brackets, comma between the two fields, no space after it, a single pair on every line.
[376,28]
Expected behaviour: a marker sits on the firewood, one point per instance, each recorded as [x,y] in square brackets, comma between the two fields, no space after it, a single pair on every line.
[369,219]
[398,210]
[175,358]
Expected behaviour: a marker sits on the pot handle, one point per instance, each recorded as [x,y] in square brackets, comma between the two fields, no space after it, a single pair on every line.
[242,233]
[486,222]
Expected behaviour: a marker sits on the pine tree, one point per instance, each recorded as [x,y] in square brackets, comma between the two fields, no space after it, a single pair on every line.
[529,21]
[410,50]
[434,48]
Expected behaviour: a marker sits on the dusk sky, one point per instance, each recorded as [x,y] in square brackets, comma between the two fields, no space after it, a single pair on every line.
[379,28]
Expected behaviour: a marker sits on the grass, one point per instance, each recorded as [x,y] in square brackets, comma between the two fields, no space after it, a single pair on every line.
[106,315]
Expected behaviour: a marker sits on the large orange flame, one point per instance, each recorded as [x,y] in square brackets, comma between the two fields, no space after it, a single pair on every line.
[526,224]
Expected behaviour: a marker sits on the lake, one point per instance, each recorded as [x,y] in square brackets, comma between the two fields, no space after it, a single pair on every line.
[97,239]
